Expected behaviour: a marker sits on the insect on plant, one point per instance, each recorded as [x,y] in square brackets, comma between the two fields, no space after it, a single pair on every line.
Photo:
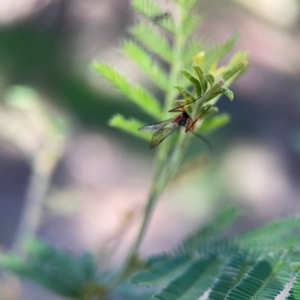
[162,130]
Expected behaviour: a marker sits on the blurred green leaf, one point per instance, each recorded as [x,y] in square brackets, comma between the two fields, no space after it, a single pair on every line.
[134,92]
[60,271]
[153,40]
[214,123]
[215,53]
[130,126]
[145,62]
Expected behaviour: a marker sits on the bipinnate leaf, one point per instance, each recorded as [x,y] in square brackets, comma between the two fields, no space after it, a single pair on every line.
[153,40]
[265,280]
[229,277]
[192,46]
[215,53]
[147,8]
[150,10]
[130,126]
[162,271]
[209,232]
[186,4]
[193,282]
[264,235]
[134,92]
[60,271]
[145,62]
[189,23]
[294,293]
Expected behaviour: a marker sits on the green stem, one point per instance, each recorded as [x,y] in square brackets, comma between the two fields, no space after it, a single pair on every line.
[147,215]
[164,166]
[43,165]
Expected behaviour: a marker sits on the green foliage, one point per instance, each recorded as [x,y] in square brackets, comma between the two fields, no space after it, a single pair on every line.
[130,126]
[253,265]
[229,277]
[58,270]
[294,293]
[214,123]
[247,266]
[151,10]
[214,54]
[158,37]
[153,40]
[163,270]
[144,61]
[134,92]
[265,280]
[194,281]
[206,233]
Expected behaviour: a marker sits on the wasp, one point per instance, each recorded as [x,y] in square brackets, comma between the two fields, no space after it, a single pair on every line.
[162,130]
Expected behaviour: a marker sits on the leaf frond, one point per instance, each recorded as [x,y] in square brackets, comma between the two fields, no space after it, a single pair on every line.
[210,231]
[186,4]
[153,40]
[216,53]
[193,282]
[162,271]
[151,10]
[193,46]
[55,269]
[135,93]
[265,280]
[294,293]
[189,24]
[130,126]
[146,63]
[229,277]
[265,235]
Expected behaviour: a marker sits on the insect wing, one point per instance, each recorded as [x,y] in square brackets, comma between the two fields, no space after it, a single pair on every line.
[155,126]
[161,134]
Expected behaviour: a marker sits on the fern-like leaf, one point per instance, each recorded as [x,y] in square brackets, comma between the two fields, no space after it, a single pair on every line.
[162,271]
[193,46]
[189,24]
[193,282]
[229,277]
[265,235]
[146,63]
[130,126]
[57,270]
[135,93]
[153,40]
[265,280]
[151,10]
[214,54]
[294,293]
[209,232]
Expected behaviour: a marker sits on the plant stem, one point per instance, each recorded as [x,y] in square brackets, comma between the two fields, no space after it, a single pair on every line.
[43,165]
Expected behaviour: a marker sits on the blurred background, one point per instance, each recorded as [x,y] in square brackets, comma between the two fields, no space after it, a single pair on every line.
[68,177]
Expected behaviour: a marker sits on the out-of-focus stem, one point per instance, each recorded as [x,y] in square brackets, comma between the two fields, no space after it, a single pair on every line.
[43,165]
